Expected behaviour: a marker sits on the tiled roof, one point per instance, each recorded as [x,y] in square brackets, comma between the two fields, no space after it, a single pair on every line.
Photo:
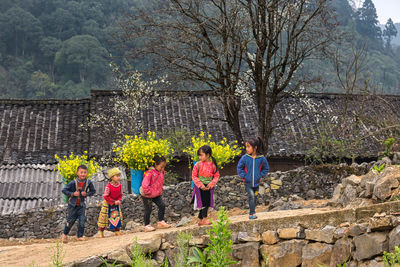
[24,187]
[32,131]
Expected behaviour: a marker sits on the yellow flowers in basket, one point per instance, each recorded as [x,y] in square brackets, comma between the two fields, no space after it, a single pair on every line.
[67,166]
[223,151]
[138,151]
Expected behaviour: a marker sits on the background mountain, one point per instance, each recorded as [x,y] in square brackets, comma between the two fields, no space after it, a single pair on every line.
[62,48]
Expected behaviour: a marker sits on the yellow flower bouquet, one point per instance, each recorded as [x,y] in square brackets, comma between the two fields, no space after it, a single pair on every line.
[223,151]
[138,151]
[68,165]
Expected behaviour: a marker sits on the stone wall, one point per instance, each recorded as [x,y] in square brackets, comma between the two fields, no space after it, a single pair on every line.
[357,236]
[306,182]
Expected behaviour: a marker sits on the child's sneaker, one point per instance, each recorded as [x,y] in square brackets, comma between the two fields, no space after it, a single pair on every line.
[118,233]
[101,234]
[163,224]
[253,217]
[82,238]
[149,228]
[206,221]
[64,238]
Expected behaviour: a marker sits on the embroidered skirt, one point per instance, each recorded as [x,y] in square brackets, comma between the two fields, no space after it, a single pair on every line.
[110,215]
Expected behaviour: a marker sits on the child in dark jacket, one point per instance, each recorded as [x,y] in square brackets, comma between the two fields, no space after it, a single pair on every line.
[252,167]
[77,190]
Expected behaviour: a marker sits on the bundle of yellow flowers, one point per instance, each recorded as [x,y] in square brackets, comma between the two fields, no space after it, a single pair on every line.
[223,151]
[138,151]
[68,165]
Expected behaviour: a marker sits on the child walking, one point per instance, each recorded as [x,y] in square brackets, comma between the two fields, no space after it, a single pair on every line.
[110,213]
[205,176]
[77,190]
[151,191]
[252,167]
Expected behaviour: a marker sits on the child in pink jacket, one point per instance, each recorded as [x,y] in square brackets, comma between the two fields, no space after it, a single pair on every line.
[152,186]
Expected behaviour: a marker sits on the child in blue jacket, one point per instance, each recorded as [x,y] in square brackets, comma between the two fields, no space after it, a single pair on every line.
[252,167]
[77,190]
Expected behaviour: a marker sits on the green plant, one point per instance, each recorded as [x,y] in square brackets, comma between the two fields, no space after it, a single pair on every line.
[68,165]
[265,258]
[138,151]
[58,255]
[106,264]
[171,177]
[379,168]
[388,145]
[392,258]
[343,264]
[181,259]
[218,251]
[223,151]
[139,257]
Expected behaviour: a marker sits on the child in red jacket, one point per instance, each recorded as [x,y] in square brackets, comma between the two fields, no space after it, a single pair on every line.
[110,214]
[152,187]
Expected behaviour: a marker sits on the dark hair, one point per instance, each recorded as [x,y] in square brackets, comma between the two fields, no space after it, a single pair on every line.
[158,159]
[208,151]
[257,143]
[82,167]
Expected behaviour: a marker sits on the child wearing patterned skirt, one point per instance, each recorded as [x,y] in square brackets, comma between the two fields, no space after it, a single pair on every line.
[110,214]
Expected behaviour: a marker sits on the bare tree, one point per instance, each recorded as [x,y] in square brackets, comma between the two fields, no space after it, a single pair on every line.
[284,34]
[194,41]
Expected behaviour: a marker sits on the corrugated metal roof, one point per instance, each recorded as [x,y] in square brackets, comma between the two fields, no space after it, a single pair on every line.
[25,187]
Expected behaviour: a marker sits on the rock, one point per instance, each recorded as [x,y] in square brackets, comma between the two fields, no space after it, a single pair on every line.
[369,245]
[341,251]
[310,194]
[245,237]
[291,233]
[373,263]
[183,221]
[383,187]
[159,257]
[336,193]
[131,225]
[396,158]
[351,180]
[348,195]
[369,189]
[119,255]
[93,261]
[197,241]
[394,238]
[370,177]
[340,232]
[287,253]
[150,245]
[246,254]
[325,234]
[270,237]
[316,253]
[378,224]
[358,229]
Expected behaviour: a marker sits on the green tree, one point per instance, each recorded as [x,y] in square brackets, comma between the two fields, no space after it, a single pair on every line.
[367,21]
[389,32]
[82,59]
[40,86]
[21,31]
[49,47]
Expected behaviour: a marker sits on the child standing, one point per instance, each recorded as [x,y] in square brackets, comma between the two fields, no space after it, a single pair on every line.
[77,190]
[205,176]
[252,167]
[110,214]
[152,187]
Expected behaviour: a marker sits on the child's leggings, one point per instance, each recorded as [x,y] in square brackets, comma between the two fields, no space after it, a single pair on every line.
[205,200]
[148,208]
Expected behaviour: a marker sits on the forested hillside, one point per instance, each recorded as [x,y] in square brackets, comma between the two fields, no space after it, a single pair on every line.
[62,48]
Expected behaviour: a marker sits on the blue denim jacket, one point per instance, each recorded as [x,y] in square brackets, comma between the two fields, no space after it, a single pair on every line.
[70,188]
[252,169]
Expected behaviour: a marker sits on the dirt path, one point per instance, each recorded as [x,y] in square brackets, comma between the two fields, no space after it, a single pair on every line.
[40,254]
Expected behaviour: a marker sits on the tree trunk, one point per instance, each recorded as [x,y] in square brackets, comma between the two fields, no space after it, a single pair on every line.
[231,109]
